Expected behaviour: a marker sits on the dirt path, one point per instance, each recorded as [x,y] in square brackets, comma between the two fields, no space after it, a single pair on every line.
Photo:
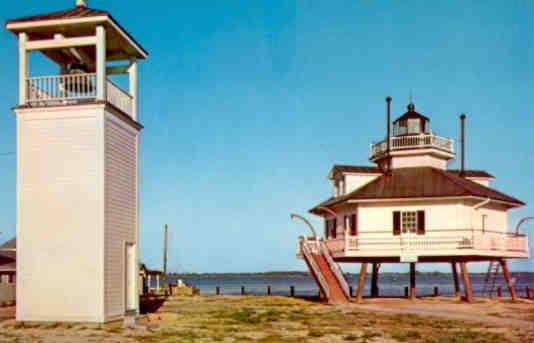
[498,312]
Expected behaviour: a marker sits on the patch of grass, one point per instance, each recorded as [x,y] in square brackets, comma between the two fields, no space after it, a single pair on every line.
[405,335]
[315,333]
[351,337]
[367,335]
[469,337]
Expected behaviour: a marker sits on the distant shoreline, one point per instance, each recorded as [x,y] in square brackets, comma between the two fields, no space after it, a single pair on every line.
[304,273]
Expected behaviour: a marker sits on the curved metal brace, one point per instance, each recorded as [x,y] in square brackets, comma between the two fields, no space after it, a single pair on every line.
[293,215]
[327,210]
[521,222]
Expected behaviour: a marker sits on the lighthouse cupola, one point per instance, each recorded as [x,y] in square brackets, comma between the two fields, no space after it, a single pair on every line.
[412,144]
[411,123]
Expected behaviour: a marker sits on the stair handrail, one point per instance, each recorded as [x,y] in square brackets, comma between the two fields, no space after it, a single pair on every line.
[335,268]
[308,256]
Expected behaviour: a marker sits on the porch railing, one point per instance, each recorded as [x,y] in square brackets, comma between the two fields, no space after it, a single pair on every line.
[469,239]
[72,89]
[413,141]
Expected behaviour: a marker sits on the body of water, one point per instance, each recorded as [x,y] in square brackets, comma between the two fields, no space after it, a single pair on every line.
[389,284]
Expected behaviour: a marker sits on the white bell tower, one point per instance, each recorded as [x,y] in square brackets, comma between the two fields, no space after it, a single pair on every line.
[77,168]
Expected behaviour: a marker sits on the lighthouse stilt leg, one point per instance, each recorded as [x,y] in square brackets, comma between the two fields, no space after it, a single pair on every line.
[374,281]
[412,281]
[467,282]
[508,278]
[455,278]
[361,282]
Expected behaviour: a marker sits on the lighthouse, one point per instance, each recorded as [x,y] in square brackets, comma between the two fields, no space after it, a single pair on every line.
[77,167]
[411,207]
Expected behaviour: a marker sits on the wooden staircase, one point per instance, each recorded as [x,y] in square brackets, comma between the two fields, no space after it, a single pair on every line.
[325,270]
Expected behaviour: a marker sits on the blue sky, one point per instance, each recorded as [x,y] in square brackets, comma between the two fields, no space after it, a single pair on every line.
[247,104]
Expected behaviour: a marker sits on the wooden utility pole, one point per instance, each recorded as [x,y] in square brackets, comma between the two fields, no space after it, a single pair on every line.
[165,244]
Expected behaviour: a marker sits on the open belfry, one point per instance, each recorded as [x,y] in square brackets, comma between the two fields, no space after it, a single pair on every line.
[77,168]
[411,208]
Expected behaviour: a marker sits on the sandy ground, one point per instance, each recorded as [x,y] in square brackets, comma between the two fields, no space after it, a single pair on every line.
[500,312]
[282,319]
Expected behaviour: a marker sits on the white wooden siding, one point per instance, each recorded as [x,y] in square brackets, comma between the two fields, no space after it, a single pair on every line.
[59,235]
[120,209]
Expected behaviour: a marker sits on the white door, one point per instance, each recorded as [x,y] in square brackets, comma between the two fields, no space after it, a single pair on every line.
[130,277]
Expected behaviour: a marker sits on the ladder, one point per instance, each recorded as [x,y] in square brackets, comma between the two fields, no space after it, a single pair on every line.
[490,279]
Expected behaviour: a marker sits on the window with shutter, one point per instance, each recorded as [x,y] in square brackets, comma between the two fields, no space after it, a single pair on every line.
[420,222]
[396,223]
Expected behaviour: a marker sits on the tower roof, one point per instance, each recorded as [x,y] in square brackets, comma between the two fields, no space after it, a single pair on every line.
[421,182]
[79,20]
[411,114]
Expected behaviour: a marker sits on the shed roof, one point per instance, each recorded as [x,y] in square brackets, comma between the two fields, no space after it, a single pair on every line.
[420,182]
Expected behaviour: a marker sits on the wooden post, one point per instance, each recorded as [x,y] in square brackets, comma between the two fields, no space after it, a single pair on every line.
[508,278]
[242,290]
[23,68]
[412,281]
[101,63]
[351,291]
[499,291]
[436,291]
[218,290]
[455,278]
[467,283]
[269,290]
[133,89]
[374,281]
[165,243]
[406,291]
[361,282]
[527,292]
[292,291]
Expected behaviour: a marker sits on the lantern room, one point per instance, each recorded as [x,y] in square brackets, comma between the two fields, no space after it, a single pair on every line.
[411,123]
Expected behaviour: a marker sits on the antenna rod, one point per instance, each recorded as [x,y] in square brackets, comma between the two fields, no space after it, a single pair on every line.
[165,243]
[462,145]
[388,130]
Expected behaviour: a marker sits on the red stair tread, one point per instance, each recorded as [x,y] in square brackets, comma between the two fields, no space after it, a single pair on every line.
[336,292]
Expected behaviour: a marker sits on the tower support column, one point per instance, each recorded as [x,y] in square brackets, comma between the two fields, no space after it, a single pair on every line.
[455,279]
[361,282]
[467,283]
[374,280]
[508,278]
[412,281]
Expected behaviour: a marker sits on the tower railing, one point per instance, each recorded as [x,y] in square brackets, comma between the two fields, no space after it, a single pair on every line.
[427,140]
[74,89]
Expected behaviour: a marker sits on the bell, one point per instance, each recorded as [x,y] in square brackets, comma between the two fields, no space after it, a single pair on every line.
[77,79]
